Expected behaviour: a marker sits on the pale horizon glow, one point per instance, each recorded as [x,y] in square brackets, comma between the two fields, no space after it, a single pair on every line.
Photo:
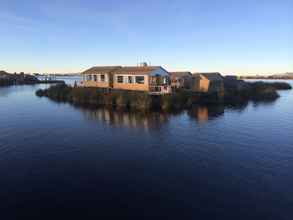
[231,37]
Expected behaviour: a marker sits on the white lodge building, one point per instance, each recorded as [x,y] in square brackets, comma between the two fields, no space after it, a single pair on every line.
[152,79]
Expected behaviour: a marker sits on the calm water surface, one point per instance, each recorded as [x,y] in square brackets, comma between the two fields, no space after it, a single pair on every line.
[209,163]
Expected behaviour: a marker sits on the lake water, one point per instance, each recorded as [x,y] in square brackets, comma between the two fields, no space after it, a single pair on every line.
[209,163]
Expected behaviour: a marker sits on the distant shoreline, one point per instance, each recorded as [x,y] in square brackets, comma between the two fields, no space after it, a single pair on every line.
[8,79]
[59,75]
[274,77]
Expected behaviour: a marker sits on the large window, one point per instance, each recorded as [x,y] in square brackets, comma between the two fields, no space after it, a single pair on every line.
[88,77]
[139,79]
[120,79]
[130,79]
[95,78]
[102,78]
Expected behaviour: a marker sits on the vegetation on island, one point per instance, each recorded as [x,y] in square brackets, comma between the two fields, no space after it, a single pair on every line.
[99,97]
[280,85]
[242,91]
[235,92]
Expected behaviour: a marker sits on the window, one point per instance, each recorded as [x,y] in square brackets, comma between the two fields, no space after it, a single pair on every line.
[89,77]
[120,79]
[139,79]
[95,78]
[130,79]
[102,78]
[165,80]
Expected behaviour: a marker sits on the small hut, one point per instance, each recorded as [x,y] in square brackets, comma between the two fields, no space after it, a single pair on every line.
[208,82]
[181,80]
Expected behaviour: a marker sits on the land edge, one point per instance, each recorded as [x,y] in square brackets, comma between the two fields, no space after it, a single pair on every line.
[236,92]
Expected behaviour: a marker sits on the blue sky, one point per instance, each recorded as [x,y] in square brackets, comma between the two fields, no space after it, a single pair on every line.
[230,36]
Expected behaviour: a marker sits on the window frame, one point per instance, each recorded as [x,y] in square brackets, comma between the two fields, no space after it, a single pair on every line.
[130,79]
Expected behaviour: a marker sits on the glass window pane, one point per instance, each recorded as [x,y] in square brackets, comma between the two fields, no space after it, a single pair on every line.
[120,79]
[139,79]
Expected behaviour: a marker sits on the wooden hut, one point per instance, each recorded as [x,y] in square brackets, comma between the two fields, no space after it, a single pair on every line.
[181,80]
[208,82]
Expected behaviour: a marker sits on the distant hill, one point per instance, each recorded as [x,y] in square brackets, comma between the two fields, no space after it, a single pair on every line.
[283,75]
[274,76]
[2,72]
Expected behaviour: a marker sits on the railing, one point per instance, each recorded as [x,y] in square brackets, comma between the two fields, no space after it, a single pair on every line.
[160,89]
[155,89]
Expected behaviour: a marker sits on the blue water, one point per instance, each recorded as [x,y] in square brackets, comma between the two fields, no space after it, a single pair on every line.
[213,162]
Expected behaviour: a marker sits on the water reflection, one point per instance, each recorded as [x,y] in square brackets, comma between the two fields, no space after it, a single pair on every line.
[153,120]
[204,113]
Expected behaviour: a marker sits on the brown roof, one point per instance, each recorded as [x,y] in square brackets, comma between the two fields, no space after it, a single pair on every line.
[180,74]
[101,69]
[136,70]
[210,76]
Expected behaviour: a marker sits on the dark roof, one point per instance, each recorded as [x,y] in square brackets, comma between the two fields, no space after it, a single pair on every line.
[180,74]
[136,70]
[211,76]
[101,69]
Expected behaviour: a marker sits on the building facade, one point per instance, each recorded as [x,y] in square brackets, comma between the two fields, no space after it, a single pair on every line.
[100,76]
[152,79]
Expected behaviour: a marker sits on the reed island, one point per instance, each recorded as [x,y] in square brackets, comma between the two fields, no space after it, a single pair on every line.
[146,88]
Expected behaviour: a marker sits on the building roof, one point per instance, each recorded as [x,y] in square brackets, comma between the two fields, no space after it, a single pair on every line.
[180,74]
[215,76]
[133,70]
[137,70]
[101,69]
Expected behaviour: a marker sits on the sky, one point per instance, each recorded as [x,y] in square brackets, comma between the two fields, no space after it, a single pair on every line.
[66,36]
